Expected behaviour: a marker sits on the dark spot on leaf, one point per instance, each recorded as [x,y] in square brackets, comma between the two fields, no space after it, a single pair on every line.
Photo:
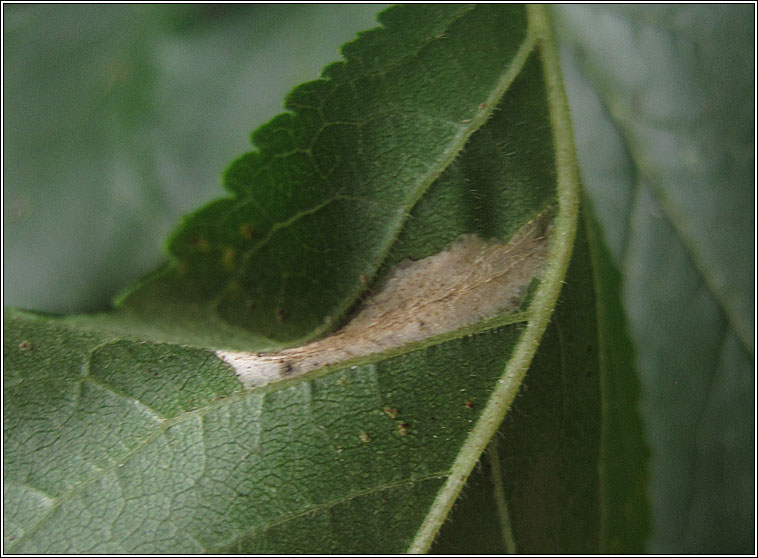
[25,345]
[280,315]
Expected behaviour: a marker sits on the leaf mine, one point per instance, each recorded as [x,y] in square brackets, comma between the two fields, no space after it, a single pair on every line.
[472,280]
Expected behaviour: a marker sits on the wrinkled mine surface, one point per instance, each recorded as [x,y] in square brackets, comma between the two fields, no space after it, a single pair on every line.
[470,281]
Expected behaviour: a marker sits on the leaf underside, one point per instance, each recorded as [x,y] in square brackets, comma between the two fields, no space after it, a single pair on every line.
[125,433]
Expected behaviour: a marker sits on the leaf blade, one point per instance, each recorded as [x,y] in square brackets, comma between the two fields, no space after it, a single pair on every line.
[304,196]
[184,479]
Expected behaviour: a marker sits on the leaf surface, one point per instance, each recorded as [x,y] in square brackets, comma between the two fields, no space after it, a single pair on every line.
[319,206]
[125,432]
[539,488]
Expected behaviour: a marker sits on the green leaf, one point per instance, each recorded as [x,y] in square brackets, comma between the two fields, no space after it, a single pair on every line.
[663,101]
[311,216]
[126,433]
[539,489]
[119,119]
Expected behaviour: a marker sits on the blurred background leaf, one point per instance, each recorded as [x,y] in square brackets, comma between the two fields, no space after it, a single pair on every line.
[663,103]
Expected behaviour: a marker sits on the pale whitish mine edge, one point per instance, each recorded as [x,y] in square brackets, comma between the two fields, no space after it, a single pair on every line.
[470,281]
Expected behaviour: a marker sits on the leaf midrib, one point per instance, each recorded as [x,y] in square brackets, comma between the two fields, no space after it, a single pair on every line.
[541,308]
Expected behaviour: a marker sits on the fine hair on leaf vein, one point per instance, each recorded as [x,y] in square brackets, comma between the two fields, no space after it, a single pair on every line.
[470,281]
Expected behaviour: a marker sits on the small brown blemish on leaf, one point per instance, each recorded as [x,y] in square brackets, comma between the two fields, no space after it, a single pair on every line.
[469,404]
[402,428]
[252,306]
[364,437]
[472,280]
[247,231]
[391,412]
[482,106]
[364,280]
[25,345]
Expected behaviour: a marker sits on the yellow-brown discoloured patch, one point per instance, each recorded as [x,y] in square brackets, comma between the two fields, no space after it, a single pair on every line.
[247,231]
[230,258]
